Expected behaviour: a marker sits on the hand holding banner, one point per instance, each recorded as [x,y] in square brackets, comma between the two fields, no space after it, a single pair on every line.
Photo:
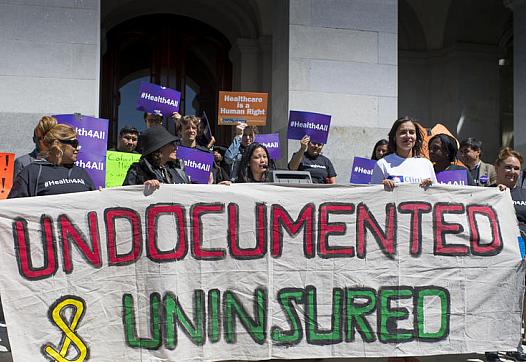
[117,165]
[362,170]
[315,125]
[156,99]
[92,135]
[271,142]
[198,163]
[207,272]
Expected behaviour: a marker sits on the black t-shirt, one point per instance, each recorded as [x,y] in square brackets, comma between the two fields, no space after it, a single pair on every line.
[518,196]
[320,168]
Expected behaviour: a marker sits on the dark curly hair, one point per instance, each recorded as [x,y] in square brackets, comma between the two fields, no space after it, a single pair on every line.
[449,144]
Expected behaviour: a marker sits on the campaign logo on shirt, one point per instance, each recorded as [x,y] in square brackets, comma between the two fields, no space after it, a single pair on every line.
[64,181]
[396,178]
[316,166]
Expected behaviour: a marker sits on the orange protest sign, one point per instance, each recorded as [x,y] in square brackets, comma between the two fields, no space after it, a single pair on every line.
[7,166]
[244,107]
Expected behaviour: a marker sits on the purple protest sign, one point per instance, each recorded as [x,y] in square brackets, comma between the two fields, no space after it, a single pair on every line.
[315,125]
[198,163]
[362,170]
[92,134]
[271,142]
[159,100]
[453,177]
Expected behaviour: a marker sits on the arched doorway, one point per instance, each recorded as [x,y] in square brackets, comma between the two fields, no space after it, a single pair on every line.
[170,50]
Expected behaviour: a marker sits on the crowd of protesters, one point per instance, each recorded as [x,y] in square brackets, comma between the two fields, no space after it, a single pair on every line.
[50,168]
[399,158]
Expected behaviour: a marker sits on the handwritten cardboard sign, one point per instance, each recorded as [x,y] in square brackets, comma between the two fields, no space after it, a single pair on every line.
[255,271]
[244,107]
[117,165]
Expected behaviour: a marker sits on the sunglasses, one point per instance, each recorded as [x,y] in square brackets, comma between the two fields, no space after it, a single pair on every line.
[74,142]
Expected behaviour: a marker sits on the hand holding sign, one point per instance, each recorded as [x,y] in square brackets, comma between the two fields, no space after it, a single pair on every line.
[244,107]
[304,143]
[158,100]
[315,125]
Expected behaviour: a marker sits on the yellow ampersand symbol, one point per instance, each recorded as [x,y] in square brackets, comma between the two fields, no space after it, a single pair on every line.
[68,327]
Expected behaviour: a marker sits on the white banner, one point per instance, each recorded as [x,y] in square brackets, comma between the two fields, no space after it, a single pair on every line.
[251,272]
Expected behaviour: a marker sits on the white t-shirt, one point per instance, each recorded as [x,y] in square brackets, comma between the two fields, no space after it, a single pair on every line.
[403,170]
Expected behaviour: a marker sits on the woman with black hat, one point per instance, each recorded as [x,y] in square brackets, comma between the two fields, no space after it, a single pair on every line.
[158,164]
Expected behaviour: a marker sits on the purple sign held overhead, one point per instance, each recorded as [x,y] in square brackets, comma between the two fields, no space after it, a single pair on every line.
[271,142]
[92,134]
[315,125]
[159,100]
[198,163]
[362,170]
[453,177]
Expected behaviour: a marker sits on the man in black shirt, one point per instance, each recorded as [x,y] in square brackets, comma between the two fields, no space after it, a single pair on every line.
[309,158]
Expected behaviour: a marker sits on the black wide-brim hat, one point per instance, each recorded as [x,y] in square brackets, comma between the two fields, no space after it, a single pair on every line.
[220,149]
[154,138]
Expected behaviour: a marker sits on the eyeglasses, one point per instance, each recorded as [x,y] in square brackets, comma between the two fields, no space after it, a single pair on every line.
[74,142]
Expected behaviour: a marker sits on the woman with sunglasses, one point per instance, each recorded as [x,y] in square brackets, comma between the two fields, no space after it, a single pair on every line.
[309,158]
[56,172]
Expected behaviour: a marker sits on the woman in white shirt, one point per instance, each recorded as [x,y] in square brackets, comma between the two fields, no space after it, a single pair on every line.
[404,164]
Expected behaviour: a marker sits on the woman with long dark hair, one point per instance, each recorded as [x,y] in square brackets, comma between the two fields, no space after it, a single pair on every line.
[380,150]
[254,164]
[404,164]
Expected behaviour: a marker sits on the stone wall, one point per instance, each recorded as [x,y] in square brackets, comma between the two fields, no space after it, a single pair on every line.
[49,64]
[343,62]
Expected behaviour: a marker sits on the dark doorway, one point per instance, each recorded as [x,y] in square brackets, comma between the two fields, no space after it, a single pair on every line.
[169,50]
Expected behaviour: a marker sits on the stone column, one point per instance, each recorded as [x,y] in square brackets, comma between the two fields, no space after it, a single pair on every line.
[343,62]
[519,73]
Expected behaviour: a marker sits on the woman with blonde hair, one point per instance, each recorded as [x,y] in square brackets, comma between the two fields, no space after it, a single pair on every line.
[55,173]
